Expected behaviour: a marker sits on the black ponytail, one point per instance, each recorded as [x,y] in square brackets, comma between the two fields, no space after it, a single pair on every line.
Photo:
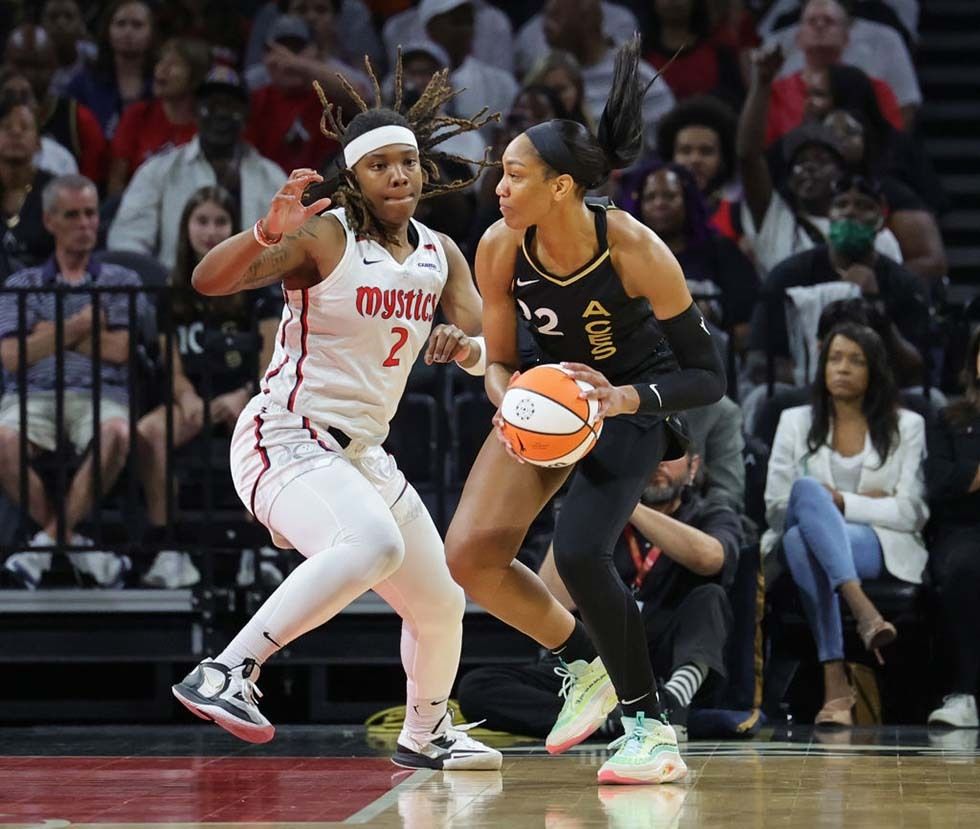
[568,147]
[620,133]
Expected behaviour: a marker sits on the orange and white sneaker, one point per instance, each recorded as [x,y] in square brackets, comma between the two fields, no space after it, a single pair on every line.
[646,753]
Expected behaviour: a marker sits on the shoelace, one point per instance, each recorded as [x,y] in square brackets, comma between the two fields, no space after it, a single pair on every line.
[249,691]
[568,680]
[637,735]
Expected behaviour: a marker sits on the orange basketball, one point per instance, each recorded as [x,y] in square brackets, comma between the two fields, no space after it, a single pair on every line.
[546,421]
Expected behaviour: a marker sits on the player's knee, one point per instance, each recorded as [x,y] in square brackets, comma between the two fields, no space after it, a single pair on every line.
[387,551]
[578,564]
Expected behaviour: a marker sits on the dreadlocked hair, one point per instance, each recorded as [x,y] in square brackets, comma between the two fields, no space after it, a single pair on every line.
[423,117]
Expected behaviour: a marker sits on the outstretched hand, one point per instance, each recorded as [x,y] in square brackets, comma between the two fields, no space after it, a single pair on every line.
[613,400]
[287,213]
[766,63]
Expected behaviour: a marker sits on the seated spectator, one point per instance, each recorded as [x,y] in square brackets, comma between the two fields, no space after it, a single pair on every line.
[894,152]
[493,35]
[284,117]
[777,225]
[820,41]
[532,41]
[148,217]
[224,24]
[856,212]
[846,498]
[63,21]
[30,52]
[167,119]
[571,25]
[828,34]
[908,218]
[560,72]
[304,43]
[953,478]
[52,157]
[351,27]
[680,554]
[704,64]
[71,214]
[21,184]
[122,72]
[209,365]
[762,415]
[721,279]
[699,134]
[450,24]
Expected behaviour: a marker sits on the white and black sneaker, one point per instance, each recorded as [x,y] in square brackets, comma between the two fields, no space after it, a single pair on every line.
[226,696]
[449,748]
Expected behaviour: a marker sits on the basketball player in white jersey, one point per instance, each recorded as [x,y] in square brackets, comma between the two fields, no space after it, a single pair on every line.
[362,283]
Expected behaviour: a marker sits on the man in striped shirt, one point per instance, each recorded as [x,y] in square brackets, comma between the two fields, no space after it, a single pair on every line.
[71,214]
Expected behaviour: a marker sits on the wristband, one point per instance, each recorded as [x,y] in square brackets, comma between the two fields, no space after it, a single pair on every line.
[262,238]
[479,368]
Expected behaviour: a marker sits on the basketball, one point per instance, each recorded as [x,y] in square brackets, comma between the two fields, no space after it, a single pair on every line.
[546,421]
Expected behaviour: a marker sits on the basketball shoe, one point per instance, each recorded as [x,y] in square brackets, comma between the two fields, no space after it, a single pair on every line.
[646,753]
[448,747]
[589,697]
[226,697]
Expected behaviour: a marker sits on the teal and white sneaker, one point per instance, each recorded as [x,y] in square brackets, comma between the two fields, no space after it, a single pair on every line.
[589,697]
[646,753]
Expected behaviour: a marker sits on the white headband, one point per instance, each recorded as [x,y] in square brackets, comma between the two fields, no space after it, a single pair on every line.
[376,138]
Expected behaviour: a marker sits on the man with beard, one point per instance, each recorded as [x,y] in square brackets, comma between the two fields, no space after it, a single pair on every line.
[679,553]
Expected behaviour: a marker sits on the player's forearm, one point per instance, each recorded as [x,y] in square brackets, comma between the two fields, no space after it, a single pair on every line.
[239,263]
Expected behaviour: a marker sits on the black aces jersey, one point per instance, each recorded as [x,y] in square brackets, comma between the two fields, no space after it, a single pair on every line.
[587,316]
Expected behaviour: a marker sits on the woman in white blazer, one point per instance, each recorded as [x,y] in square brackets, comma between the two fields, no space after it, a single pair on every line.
[845,492]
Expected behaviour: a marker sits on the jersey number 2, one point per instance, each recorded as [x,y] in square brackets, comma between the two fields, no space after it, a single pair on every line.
[402,335]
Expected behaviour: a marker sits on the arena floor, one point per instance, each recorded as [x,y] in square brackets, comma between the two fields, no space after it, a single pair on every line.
[329,776]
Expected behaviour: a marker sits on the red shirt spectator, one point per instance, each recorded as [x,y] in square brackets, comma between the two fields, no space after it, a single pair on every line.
[788,104]
[285,128]
[144,129]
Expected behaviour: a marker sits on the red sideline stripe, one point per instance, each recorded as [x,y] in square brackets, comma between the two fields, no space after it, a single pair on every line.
[313,434]
[304,324]
[263,454]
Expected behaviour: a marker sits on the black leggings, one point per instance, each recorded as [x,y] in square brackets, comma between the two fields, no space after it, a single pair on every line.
[956,564]
[604,490]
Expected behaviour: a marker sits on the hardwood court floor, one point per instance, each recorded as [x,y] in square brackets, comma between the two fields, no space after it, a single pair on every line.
[330,776]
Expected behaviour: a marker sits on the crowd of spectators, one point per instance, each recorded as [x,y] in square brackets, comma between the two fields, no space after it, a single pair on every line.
[781,165]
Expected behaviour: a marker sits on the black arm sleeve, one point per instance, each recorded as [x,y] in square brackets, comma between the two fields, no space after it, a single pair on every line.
[701,379]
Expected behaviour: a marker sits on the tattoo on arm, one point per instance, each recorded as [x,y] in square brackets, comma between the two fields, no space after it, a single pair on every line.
[266,268]
[304,230]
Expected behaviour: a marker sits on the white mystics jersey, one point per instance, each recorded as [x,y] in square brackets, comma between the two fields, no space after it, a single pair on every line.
[345,346]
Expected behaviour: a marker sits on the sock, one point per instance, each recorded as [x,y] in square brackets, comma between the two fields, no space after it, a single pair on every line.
[649,704]
[685,682]
[424,716]
[577,646]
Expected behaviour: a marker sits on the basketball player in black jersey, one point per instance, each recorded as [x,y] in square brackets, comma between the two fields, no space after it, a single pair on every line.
[604,295]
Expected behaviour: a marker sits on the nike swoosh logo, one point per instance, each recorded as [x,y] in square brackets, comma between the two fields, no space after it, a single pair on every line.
[370,261]
[521,284]
[653,388]
[265,633]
